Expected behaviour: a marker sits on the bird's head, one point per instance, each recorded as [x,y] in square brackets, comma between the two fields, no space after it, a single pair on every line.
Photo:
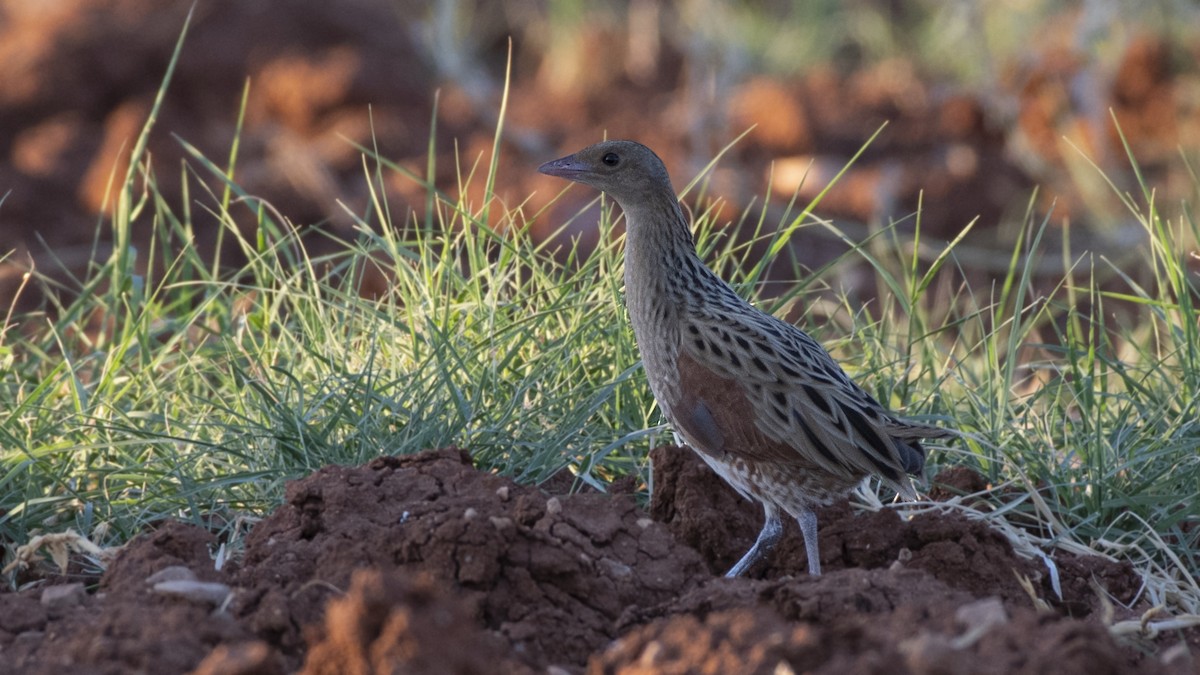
[627,171]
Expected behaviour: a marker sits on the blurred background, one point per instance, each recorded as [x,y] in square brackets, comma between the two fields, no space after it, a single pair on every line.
[985,101]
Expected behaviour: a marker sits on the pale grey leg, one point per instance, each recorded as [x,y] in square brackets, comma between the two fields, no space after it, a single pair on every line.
[768,537]
[808,527]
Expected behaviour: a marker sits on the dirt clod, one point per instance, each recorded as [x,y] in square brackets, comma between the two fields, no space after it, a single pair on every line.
[552,577]
[396,623]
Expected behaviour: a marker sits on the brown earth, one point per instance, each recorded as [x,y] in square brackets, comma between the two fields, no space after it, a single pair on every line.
[423,564]
[323,77]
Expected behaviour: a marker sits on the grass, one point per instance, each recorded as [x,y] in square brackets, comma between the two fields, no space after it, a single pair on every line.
[178,387]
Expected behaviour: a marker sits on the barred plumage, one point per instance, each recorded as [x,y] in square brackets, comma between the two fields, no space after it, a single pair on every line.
[760,401]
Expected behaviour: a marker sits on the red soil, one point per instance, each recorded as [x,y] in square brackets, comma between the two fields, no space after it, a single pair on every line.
[424,564]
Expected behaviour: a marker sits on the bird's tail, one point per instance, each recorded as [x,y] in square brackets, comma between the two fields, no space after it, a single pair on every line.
[908,435]
[912,454]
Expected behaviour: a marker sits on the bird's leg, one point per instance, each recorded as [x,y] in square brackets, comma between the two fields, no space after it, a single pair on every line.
[808,527]
[770,535]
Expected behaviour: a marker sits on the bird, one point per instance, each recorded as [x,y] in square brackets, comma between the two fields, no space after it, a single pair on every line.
[758,399]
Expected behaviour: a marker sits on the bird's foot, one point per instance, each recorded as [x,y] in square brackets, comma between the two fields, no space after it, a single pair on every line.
[768,537]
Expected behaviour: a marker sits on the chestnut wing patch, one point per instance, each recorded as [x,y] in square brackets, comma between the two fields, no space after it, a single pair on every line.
[715,412]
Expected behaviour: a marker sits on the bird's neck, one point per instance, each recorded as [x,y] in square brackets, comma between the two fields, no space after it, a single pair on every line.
[659,249]
[660,258]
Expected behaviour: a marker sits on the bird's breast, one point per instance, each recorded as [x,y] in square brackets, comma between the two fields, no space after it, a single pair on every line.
[655,321]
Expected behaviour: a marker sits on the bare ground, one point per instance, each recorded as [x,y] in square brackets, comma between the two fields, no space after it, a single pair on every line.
[424,564]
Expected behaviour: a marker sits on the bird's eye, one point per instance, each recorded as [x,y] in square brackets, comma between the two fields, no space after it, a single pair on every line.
[611,159]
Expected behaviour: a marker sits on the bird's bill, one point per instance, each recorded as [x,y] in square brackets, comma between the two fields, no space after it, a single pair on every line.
[564,167]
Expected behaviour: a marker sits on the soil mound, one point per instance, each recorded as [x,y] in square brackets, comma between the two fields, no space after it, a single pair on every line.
[425,564]
[550,574]
[965,555]
[126,626]
[395,623]
[857,621]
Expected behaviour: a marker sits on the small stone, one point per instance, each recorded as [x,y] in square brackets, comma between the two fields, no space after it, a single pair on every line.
[615,569]
[502,493]
[28,641]
[645,522]
[59,598]
[470,514]
[979,618]
[985,612]
[928,653]
[553,506]
[172,573]
[202,592]
[501,523]
[650,655]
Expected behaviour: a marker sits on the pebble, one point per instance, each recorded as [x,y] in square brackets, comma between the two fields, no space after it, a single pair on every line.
[202,592]
[58,598]
[172,573]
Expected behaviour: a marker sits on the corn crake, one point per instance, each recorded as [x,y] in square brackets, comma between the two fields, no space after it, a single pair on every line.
[761,402]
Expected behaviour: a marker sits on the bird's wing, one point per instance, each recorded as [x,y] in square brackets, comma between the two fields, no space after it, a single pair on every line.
[717,415]
[770,381]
